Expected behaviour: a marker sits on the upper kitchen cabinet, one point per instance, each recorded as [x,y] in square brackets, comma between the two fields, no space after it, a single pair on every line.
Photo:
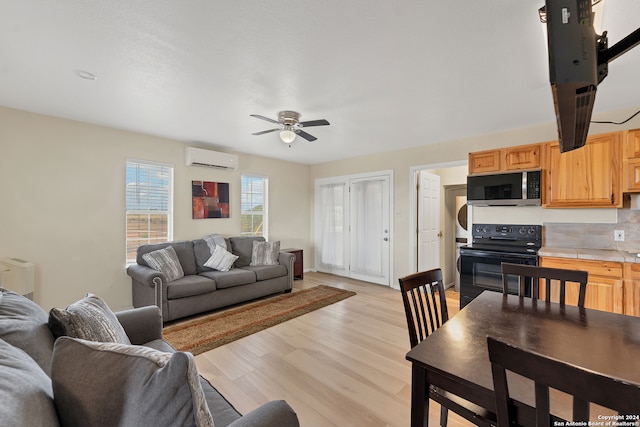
[589,177]
[631,161]
[521,157]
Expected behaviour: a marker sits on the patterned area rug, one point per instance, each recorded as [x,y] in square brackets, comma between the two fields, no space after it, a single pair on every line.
[213,330]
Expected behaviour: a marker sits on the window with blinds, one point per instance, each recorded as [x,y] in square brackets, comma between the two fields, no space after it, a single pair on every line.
[149,205]
[254,206]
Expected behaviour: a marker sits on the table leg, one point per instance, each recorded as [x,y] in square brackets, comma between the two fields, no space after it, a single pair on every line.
[419,397]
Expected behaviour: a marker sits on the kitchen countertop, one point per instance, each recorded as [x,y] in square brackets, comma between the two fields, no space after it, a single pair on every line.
[590,254]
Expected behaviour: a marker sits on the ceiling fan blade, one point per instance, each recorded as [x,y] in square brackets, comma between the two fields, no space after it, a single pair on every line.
[258,116]
[306,136]
[265,131]
[321,122]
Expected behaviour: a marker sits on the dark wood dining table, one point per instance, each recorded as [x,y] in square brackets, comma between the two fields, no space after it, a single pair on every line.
[455,357]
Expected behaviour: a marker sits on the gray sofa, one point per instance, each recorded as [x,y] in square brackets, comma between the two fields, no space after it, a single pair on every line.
[202,288]
[32,361]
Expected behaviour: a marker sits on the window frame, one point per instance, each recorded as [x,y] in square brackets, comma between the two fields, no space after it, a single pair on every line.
[265,205]
[169,204]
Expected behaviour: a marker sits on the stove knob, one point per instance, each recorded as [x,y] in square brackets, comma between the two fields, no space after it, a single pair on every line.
[532,230]
[522,230]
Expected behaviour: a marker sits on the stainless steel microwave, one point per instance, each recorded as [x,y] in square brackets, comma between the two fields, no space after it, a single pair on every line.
[505,189]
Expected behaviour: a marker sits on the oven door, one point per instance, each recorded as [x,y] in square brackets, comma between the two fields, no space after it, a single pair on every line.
[481,270]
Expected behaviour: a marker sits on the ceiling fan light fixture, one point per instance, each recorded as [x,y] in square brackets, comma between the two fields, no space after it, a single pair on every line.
[287,135]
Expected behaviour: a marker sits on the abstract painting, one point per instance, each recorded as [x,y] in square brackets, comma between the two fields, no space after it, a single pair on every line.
[210,199]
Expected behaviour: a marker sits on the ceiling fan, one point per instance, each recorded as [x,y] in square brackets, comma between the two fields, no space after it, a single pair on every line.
[290,126]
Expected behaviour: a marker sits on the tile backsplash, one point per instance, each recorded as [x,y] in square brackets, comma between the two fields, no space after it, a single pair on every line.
[596,236]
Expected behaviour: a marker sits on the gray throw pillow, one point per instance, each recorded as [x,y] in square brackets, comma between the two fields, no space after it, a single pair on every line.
[100,384]
[166,262]
[221,259]
[24,324]
[89,319]
[265,253]
[26,396]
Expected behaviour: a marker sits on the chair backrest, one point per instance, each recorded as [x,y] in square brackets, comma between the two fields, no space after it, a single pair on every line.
[584,385]
[425,304]
[534,274]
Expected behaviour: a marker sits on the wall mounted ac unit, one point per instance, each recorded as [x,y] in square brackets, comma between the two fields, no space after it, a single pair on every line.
[212,159]
[17,275]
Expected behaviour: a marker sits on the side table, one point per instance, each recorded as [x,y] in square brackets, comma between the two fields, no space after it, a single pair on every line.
[298,266]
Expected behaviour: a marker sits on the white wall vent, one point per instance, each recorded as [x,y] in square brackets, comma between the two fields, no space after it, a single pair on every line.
[211,159]
[17,275]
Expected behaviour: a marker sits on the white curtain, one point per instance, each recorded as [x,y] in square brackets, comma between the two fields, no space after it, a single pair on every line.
[366,227]
[332,220]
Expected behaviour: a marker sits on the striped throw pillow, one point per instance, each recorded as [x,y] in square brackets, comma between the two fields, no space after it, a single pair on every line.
[166,262]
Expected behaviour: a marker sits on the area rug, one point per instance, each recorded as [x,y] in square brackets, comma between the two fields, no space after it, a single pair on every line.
[213,330]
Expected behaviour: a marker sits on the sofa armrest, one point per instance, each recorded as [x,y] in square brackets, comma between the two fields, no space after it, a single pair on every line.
[276,413]
[141,324]
[286,258]
[144,274]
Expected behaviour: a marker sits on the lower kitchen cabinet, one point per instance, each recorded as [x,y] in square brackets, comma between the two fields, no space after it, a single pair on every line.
[632,289]
[605,289]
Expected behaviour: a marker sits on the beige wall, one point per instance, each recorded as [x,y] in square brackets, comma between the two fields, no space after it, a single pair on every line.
[62,196]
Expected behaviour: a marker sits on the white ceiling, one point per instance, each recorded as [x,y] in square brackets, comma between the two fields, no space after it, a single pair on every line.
[386,74]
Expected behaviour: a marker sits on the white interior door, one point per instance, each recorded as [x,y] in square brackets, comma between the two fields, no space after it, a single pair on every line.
[370,233]
[428,221]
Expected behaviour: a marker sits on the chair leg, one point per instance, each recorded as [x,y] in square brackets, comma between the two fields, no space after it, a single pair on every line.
[444,413]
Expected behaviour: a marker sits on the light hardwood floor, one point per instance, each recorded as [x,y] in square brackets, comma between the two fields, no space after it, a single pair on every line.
[342,365]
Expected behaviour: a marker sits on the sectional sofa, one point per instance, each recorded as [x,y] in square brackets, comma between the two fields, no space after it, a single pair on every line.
[117,370]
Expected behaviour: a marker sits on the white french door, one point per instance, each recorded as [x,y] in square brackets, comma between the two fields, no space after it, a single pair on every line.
[353,227]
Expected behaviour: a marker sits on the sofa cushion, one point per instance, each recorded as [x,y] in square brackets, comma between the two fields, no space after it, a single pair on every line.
[231,278]
[189,286]
[166,262]
[25,325]
[222,411]
[89,318]
[265,253]
[243,247]
[184,250]
[221,259]
[26,396]
[97,384]
[266,272]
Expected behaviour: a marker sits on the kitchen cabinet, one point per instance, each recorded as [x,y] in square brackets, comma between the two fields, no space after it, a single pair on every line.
[631,161]
[484,162]
[631,289]
[523,157]
[588,177]
[605,289]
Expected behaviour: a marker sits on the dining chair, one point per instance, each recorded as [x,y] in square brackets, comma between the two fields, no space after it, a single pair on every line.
[425,306]
[535,274]
[582,384]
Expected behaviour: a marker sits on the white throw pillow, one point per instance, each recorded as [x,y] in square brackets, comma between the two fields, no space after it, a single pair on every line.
[221,259]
